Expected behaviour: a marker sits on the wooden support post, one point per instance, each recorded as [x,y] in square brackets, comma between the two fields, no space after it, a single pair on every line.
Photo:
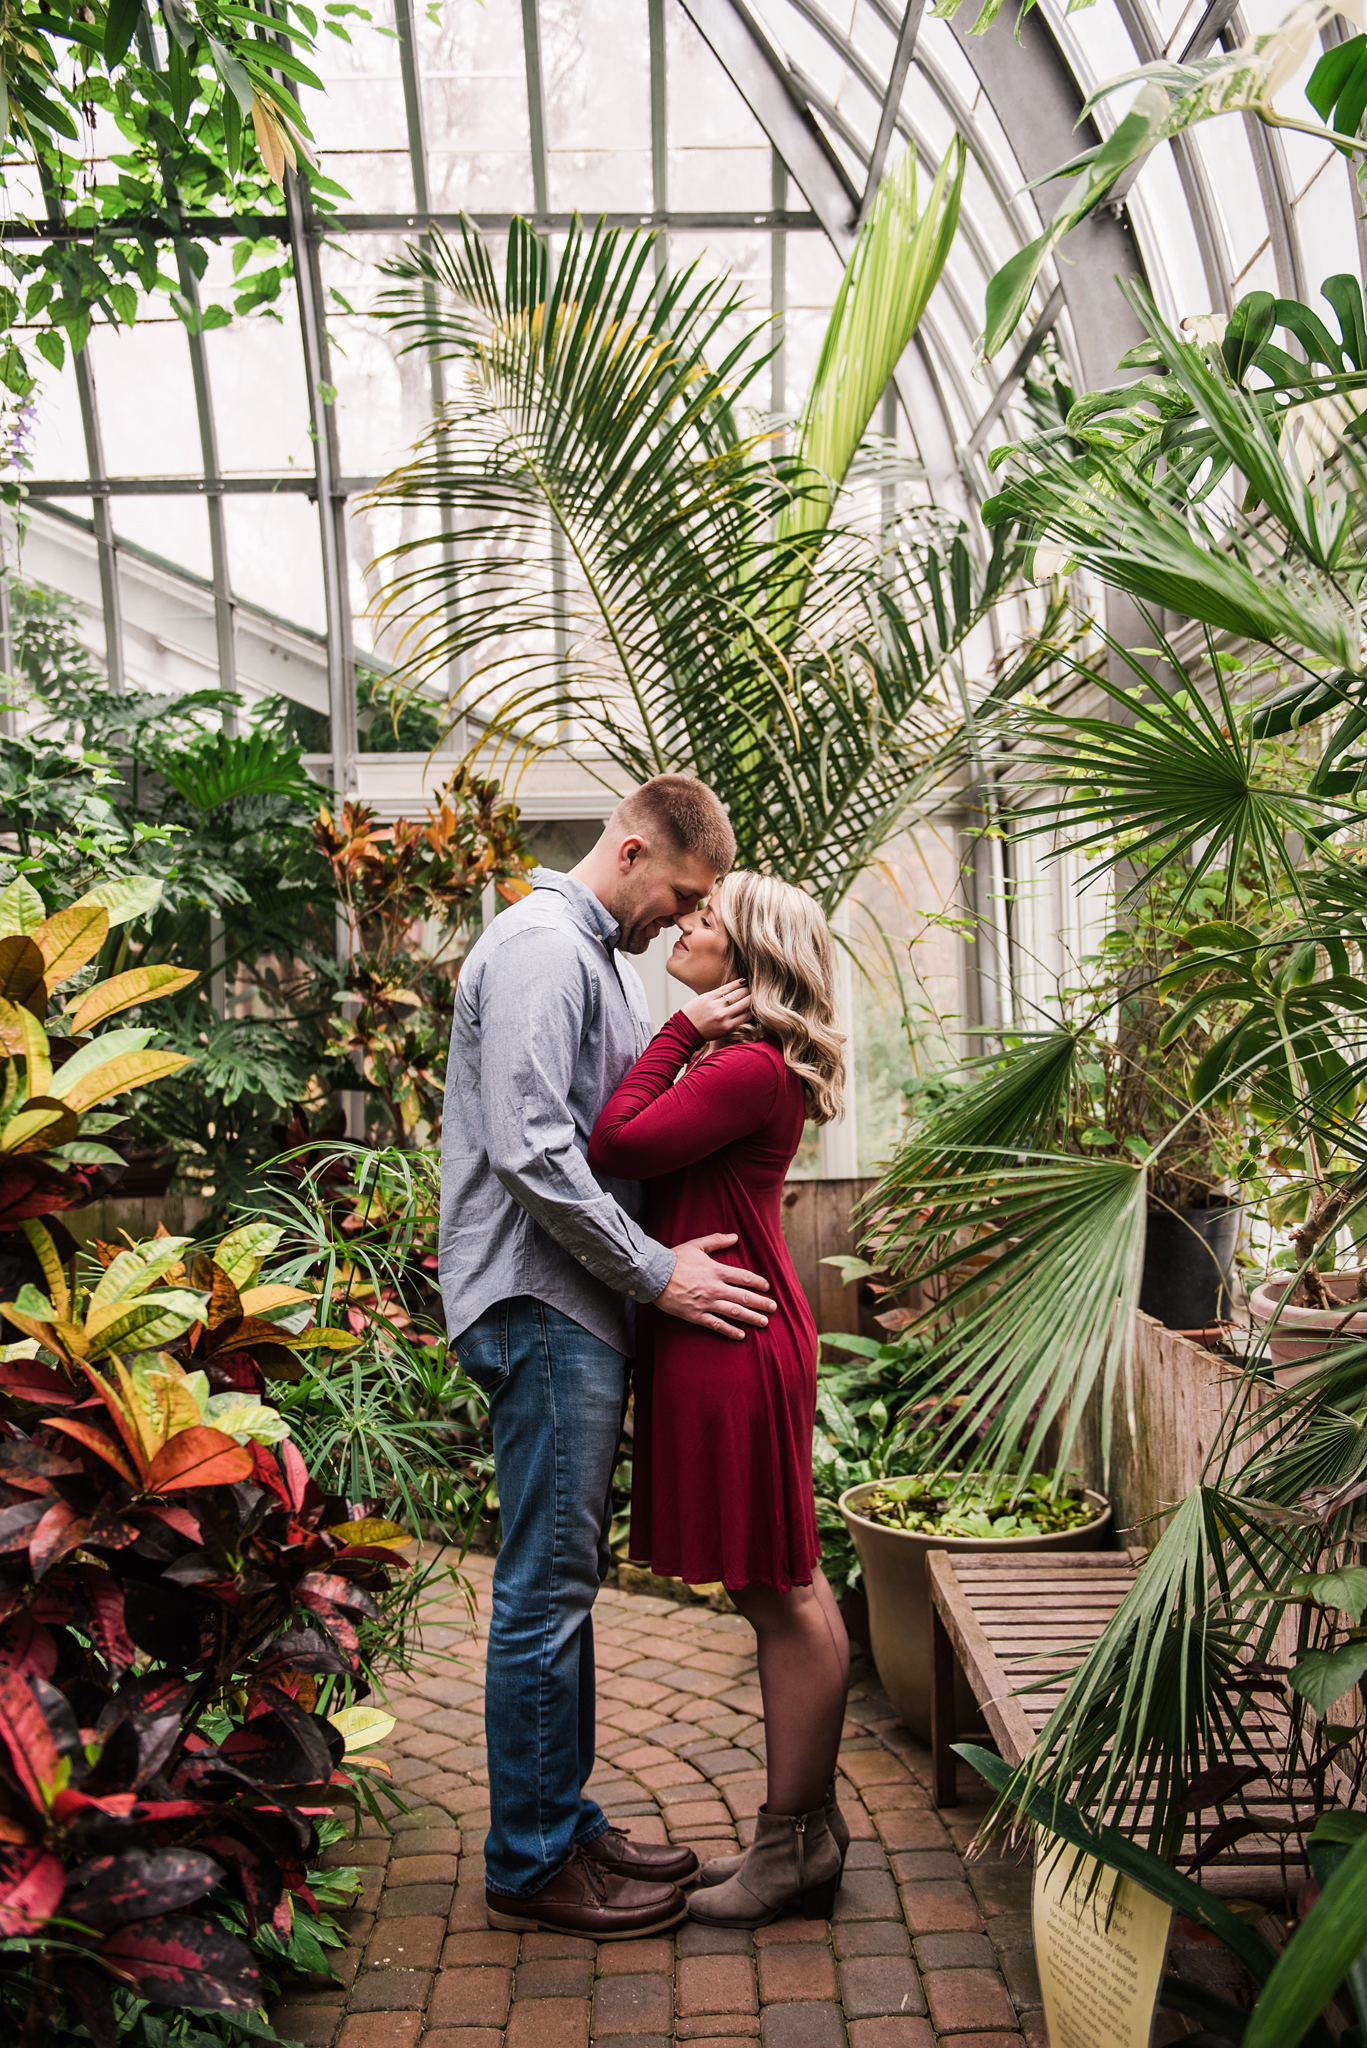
[942,1729]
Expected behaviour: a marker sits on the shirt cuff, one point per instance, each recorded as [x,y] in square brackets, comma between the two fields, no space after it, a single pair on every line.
[656,1272]
[686,1031]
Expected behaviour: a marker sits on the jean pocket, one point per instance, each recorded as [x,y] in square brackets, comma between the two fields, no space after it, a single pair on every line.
[484,1359]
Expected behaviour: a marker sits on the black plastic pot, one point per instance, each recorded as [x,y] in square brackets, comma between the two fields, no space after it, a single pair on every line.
[1188,1265]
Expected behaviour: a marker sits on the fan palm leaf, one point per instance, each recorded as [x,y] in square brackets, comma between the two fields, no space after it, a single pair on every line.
[590,532]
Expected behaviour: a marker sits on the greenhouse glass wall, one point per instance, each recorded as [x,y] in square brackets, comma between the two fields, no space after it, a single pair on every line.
[202,495]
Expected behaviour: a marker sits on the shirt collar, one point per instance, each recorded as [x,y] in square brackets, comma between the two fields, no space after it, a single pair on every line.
[586,909]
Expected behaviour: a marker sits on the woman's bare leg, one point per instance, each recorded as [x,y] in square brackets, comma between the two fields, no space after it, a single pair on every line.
[804,1673]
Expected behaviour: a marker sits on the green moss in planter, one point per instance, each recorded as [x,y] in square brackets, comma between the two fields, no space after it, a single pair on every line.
[946,1506]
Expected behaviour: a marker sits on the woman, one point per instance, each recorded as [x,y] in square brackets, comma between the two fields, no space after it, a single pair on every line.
[722,1457]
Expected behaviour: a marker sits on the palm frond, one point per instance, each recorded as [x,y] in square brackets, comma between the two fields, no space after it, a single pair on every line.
[1172,768]
[883,294]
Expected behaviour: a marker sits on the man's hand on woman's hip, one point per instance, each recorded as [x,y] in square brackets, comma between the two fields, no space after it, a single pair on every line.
[715,1297]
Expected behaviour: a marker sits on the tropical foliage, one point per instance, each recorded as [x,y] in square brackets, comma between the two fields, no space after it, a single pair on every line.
[594,525]
[181,1652]
[396,881]
[205,117]
[1175,96]
[1227,777]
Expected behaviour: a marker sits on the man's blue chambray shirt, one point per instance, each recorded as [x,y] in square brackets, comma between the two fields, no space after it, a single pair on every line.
[548,1019]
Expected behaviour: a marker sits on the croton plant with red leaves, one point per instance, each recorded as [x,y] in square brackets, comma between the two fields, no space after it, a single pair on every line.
[172,1588]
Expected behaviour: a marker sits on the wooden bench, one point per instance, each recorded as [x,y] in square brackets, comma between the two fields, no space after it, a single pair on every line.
[1027,1622]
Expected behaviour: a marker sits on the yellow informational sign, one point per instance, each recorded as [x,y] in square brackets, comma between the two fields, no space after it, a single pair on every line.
[1100,1957]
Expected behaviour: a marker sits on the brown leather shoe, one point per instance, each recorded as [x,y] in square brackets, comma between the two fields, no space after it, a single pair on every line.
[662,1862]
[590,1900]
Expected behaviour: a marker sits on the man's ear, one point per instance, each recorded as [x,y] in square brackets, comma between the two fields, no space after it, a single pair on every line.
[629,852]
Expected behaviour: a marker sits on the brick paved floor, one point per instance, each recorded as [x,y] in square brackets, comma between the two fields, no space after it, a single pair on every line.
[924,1948]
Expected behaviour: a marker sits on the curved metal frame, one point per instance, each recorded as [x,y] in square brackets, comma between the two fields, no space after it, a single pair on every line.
[1035,88]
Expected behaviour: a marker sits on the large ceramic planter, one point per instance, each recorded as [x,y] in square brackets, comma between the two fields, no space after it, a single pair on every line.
[1302,1333]
[895,1580]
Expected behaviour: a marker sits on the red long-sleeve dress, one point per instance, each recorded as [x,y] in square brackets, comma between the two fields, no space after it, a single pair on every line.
[722,1455]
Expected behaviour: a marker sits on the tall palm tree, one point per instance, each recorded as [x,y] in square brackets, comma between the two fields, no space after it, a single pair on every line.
[607,546]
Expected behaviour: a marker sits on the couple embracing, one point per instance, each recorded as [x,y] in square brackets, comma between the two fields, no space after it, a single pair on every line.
[610,1192]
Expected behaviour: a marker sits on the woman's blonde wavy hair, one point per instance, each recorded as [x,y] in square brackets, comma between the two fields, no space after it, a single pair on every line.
[782,947]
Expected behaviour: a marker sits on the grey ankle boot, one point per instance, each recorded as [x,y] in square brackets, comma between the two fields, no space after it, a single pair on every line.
[792,1861]
[722,1867]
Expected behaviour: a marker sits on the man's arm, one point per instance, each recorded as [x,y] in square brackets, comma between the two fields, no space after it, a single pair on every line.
[532,1013]
[533,1000]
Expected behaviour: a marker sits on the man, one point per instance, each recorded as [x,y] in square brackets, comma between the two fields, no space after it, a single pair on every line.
[541,1267]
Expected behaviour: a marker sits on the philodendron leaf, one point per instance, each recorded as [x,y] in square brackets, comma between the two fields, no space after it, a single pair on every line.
[1323,1676]
[1345,1590]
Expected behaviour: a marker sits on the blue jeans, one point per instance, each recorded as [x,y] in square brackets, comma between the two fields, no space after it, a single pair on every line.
[556,1400]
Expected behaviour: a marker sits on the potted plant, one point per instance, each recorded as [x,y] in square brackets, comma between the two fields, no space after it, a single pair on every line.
[895,1524]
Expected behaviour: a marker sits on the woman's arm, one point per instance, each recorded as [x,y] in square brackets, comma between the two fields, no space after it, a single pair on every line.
[653,1124]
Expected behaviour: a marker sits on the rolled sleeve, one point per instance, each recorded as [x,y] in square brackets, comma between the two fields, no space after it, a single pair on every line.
[533,1005]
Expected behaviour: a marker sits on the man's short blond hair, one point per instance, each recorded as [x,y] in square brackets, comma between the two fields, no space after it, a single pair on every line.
[683,811]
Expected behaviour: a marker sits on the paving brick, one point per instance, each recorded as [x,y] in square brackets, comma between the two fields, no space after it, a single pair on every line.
[716,1983]
[795,1972]
[866,1856]
[635,1958]
[887,2033]
[550,2023]
[866,1895]
[368,1852]
[702,1813]
[467,1909]
[313,2026]
[556,1976]
[547,1947]
[940,1908]
[911,1827]
[642,2004]
[406,1944]
[927,1866]
[1036,2032]
[696,1940]
[488,1947]
[984,2041]
[874,1986]
[380,2030]
[432,1841]
[968,1998]
[872,1767]
[870,1938]
[390,1990]
[715,2028]
[802,2026]
[660,1776]
[795,1927]
[1021,1972]
[463,2037]
[962,1951]
[473,1995]
[415,1899]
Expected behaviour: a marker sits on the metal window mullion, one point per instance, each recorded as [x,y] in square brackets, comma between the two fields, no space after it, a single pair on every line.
[331,501]
[1274,181]
[1206,224]
[778,292]
[436,368]
[892,100]
[659,129]
[225,636]
[102,516]
[536,126]
[102,522]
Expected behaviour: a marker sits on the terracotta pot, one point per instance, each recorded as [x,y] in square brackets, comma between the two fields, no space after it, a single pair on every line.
[898,1590]
[1302,1333]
